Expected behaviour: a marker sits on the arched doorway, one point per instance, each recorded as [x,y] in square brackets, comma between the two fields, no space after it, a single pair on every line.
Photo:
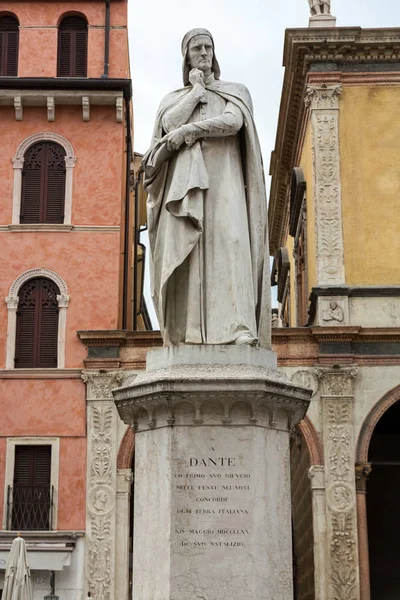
[302,518]
[383,501]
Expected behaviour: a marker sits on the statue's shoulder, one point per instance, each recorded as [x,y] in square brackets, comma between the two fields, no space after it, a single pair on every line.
[238,90]
[172,97]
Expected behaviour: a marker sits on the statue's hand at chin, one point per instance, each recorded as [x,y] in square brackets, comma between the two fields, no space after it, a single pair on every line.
[196,76]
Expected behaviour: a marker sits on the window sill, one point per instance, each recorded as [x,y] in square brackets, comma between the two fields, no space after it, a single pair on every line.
[40,373]
[40,227]
[58,227]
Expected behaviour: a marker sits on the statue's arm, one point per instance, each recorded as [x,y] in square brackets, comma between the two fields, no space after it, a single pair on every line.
[178,115]
[228,123]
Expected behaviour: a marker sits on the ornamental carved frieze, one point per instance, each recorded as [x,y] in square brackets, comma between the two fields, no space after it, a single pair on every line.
[100,385]
[102,482]
[338,424]
[324,96]
[323,102]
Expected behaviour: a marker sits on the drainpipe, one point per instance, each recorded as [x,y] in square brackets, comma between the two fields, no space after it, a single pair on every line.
[135,251]
[106,40]
[127,215]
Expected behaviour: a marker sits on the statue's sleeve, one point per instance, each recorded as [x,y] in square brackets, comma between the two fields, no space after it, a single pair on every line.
[227,123]
[179,113]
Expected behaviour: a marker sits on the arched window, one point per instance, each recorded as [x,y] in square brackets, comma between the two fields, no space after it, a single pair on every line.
[9,34]
[72,47]
[37,325]
[43,184]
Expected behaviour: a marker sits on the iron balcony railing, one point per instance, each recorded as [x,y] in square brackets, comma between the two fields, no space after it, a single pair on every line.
[30,508]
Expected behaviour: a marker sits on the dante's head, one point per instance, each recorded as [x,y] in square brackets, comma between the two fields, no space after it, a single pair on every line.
[198,53]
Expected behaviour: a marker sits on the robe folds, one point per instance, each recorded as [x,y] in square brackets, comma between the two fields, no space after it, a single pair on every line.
[207,223]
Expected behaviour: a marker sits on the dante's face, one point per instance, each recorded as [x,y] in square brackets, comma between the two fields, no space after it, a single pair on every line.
[200,53]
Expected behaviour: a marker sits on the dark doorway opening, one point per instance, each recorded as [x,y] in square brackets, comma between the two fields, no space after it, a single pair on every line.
[383,501]
[302,519]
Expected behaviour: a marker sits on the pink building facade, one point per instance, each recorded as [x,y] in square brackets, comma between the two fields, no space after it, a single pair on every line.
[65,264]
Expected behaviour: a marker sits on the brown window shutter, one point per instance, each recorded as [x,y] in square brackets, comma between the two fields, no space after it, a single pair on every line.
[48,326]
[53,209]
[72,47]
[80,54]
[26,318]
[31,488]
[9,37]
[37,325]
[64,54]
[43,184]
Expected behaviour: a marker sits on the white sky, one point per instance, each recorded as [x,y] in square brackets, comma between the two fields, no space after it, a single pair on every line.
[248,37]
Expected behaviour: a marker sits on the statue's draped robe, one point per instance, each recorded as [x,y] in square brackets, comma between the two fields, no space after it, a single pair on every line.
[207,224]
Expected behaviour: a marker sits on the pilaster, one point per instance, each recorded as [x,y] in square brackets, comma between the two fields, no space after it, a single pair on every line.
[101,495]
[342,566]
[362,473]
[317,480]
[124,484]
[323,103]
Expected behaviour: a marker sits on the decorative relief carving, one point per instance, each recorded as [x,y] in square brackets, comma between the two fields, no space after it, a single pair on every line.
[102,482]
[100,385]
[99,554]
[337,382]
[337,386]
[324,96]
[63,300]
[344,575]
[323,101]
[306,379]
[341,497]
[316,474]
[19,110]
[119,107]
[85,108]
[12,302]
[38,137]
[50,108]
[32,274]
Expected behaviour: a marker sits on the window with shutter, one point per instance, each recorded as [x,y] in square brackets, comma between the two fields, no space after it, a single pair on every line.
[31,498]
[72,47]
[43,184]
[9,36]
[37,325]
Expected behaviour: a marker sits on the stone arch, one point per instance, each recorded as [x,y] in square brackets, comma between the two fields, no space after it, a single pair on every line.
[313,442]
[126,449]
[18,163]
[12,305]
[32,274]
[370,422]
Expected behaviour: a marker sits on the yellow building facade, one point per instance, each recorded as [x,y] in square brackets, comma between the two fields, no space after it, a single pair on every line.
[335,238]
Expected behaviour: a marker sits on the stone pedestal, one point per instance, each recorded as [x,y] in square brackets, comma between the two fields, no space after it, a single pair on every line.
[212,497]
[322,21]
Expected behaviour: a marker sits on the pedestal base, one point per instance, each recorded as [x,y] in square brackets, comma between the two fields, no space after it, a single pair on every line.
[322,21]
[212,494]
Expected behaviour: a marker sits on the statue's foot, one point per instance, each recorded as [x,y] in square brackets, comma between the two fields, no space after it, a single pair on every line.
[246,338]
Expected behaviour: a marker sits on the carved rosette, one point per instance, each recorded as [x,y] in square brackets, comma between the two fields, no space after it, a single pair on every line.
[337,402]
[101,482]
[323,101]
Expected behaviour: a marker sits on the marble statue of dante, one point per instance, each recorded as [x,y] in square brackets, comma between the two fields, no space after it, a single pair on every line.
[320,7]
[207,209]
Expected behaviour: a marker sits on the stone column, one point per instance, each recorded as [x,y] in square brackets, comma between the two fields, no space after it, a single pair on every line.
[341,517]
[101,491]
[317,478]
[323,103]
[212,515]
[124,482]
[362,473]
[12,307]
